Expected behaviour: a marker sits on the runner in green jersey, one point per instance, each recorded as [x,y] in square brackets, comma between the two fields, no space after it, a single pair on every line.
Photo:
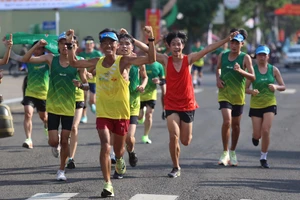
[198,65]
[136,87]
[35,94]
[156,76]
[88,53]
[60,98]
[263,106]
[233,68]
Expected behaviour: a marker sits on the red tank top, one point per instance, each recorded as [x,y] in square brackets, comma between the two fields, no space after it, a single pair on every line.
[180,92]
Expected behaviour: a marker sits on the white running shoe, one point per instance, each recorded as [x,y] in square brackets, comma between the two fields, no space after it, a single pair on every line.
[60,175]
[56,151]
[224,159]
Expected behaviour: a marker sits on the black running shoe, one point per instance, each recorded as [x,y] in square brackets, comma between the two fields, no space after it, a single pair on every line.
[117,176]
[174,173]
[132,159]
[255,142]
[71,164]
[264,164]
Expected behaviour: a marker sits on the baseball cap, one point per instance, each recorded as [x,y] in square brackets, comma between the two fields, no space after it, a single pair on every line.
[110,35]
[239,38]
[262,49]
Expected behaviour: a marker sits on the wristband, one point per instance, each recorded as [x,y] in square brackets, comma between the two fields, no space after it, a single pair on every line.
[151,39]
[85,84]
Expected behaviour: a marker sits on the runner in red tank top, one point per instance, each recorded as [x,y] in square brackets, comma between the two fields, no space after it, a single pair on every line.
[180,103]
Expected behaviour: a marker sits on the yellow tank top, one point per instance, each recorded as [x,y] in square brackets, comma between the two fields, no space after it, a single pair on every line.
[112,92]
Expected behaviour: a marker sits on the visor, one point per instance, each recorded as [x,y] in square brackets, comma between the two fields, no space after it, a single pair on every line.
[110,35]
[262,49]
[239,38]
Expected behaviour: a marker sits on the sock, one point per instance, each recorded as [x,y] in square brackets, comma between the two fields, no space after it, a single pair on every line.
[112,152]
[263,155]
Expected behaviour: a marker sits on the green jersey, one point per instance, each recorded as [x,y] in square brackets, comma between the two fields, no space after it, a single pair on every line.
[86,56]
[154,70]
[265,97]
[134,93]
[61,94]
[200,62]
[37,81]
[234,87]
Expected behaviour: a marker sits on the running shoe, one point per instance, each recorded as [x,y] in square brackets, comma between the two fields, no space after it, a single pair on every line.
[83,120]
[120,166]
[56,151]
[255,142]
[71,164]
[93,108]
[60,175]
[141,121]
[108,190]
[175,172]
[117,176]
[132,159]
[146,140]
[233,158]
[27,144]
[264,164]
[224,159]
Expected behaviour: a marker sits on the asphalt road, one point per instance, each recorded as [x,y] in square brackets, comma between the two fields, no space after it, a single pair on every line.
[24,173]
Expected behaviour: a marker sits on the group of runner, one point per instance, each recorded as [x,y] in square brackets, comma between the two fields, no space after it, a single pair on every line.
[121,79]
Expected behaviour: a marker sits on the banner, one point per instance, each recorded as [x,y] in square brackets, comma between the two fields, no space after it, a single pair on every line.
[153,19]
[27,38]
[51,4]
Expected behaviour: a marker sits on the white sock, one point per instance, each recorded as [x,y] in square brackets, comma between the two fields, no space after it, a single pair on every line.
[112,152]
[263,155]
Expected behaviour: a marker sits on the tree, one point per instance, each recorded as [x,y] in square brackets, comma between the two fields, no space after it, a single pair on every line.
[197,15]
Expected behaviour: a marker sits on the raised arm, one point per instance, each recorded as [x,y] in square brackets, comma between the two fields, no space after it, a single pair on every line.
[193,57]
[90,63]
[37,59]
[8,44]
[161,58]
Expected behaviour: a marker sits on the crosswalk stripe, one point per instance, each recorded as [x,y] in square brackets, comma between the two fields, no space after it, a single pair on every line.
[52,196]
[289,91]
[153,197]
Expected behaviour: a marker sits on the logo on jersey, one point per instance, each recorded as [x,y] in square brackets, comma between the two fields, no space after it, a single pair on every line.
[62,74]
[39,67]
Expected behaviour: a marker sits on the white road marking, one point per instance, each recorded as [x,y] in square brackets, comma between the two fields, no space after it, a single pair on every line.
[197,90]
[15,100]
[289,91]
[52,196]
[153,197]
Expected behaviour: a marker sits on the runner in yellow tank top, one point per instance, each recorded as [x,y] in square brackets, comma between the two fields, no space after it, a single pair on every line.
[112,82]
[233,68]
